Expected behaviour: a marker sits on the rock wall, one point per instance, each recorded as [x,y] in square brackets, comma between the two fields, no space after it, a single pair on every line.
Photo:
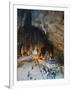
[51,22]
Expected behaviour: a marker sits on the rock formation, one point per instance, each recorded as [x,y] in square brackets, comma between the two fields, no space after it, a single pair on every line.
[51,22]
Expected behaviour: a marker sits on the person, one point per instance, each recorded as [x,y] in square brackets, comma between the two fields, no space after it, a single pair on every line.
[54,74]
[22,51]
[46,56]
[35,51]
[35,56]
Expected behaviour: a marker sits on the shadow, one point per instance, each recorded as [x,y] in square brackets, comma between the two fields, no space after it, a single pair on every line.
[20,65]
[7,86]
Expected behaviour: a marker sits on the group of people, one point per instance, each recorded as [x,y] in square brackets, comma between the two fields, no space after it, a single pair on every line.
[25,51]
[36,52]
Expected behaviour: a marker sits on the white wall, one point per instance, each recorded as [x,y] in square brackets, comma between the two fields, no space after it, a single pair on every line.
[4,43]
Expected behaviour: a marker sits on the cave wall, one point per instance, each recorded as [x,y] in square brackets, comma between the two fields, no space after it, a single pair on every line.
[51,22]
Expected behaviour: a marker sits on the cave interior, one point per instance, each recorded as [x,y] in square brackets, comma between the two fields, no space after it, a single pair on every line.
[30,37]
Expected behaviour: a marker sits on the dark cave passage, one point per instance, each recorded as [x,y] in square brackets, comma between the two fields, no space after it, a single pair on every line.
[30,36]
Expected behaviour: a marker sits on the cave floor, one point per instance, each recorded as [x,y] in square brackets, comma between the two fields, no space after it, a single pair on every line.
[33,71]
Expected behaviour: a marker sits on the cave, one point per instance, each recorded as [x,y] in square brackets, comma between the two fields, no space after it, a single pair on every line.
[40,44]
[29,36]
